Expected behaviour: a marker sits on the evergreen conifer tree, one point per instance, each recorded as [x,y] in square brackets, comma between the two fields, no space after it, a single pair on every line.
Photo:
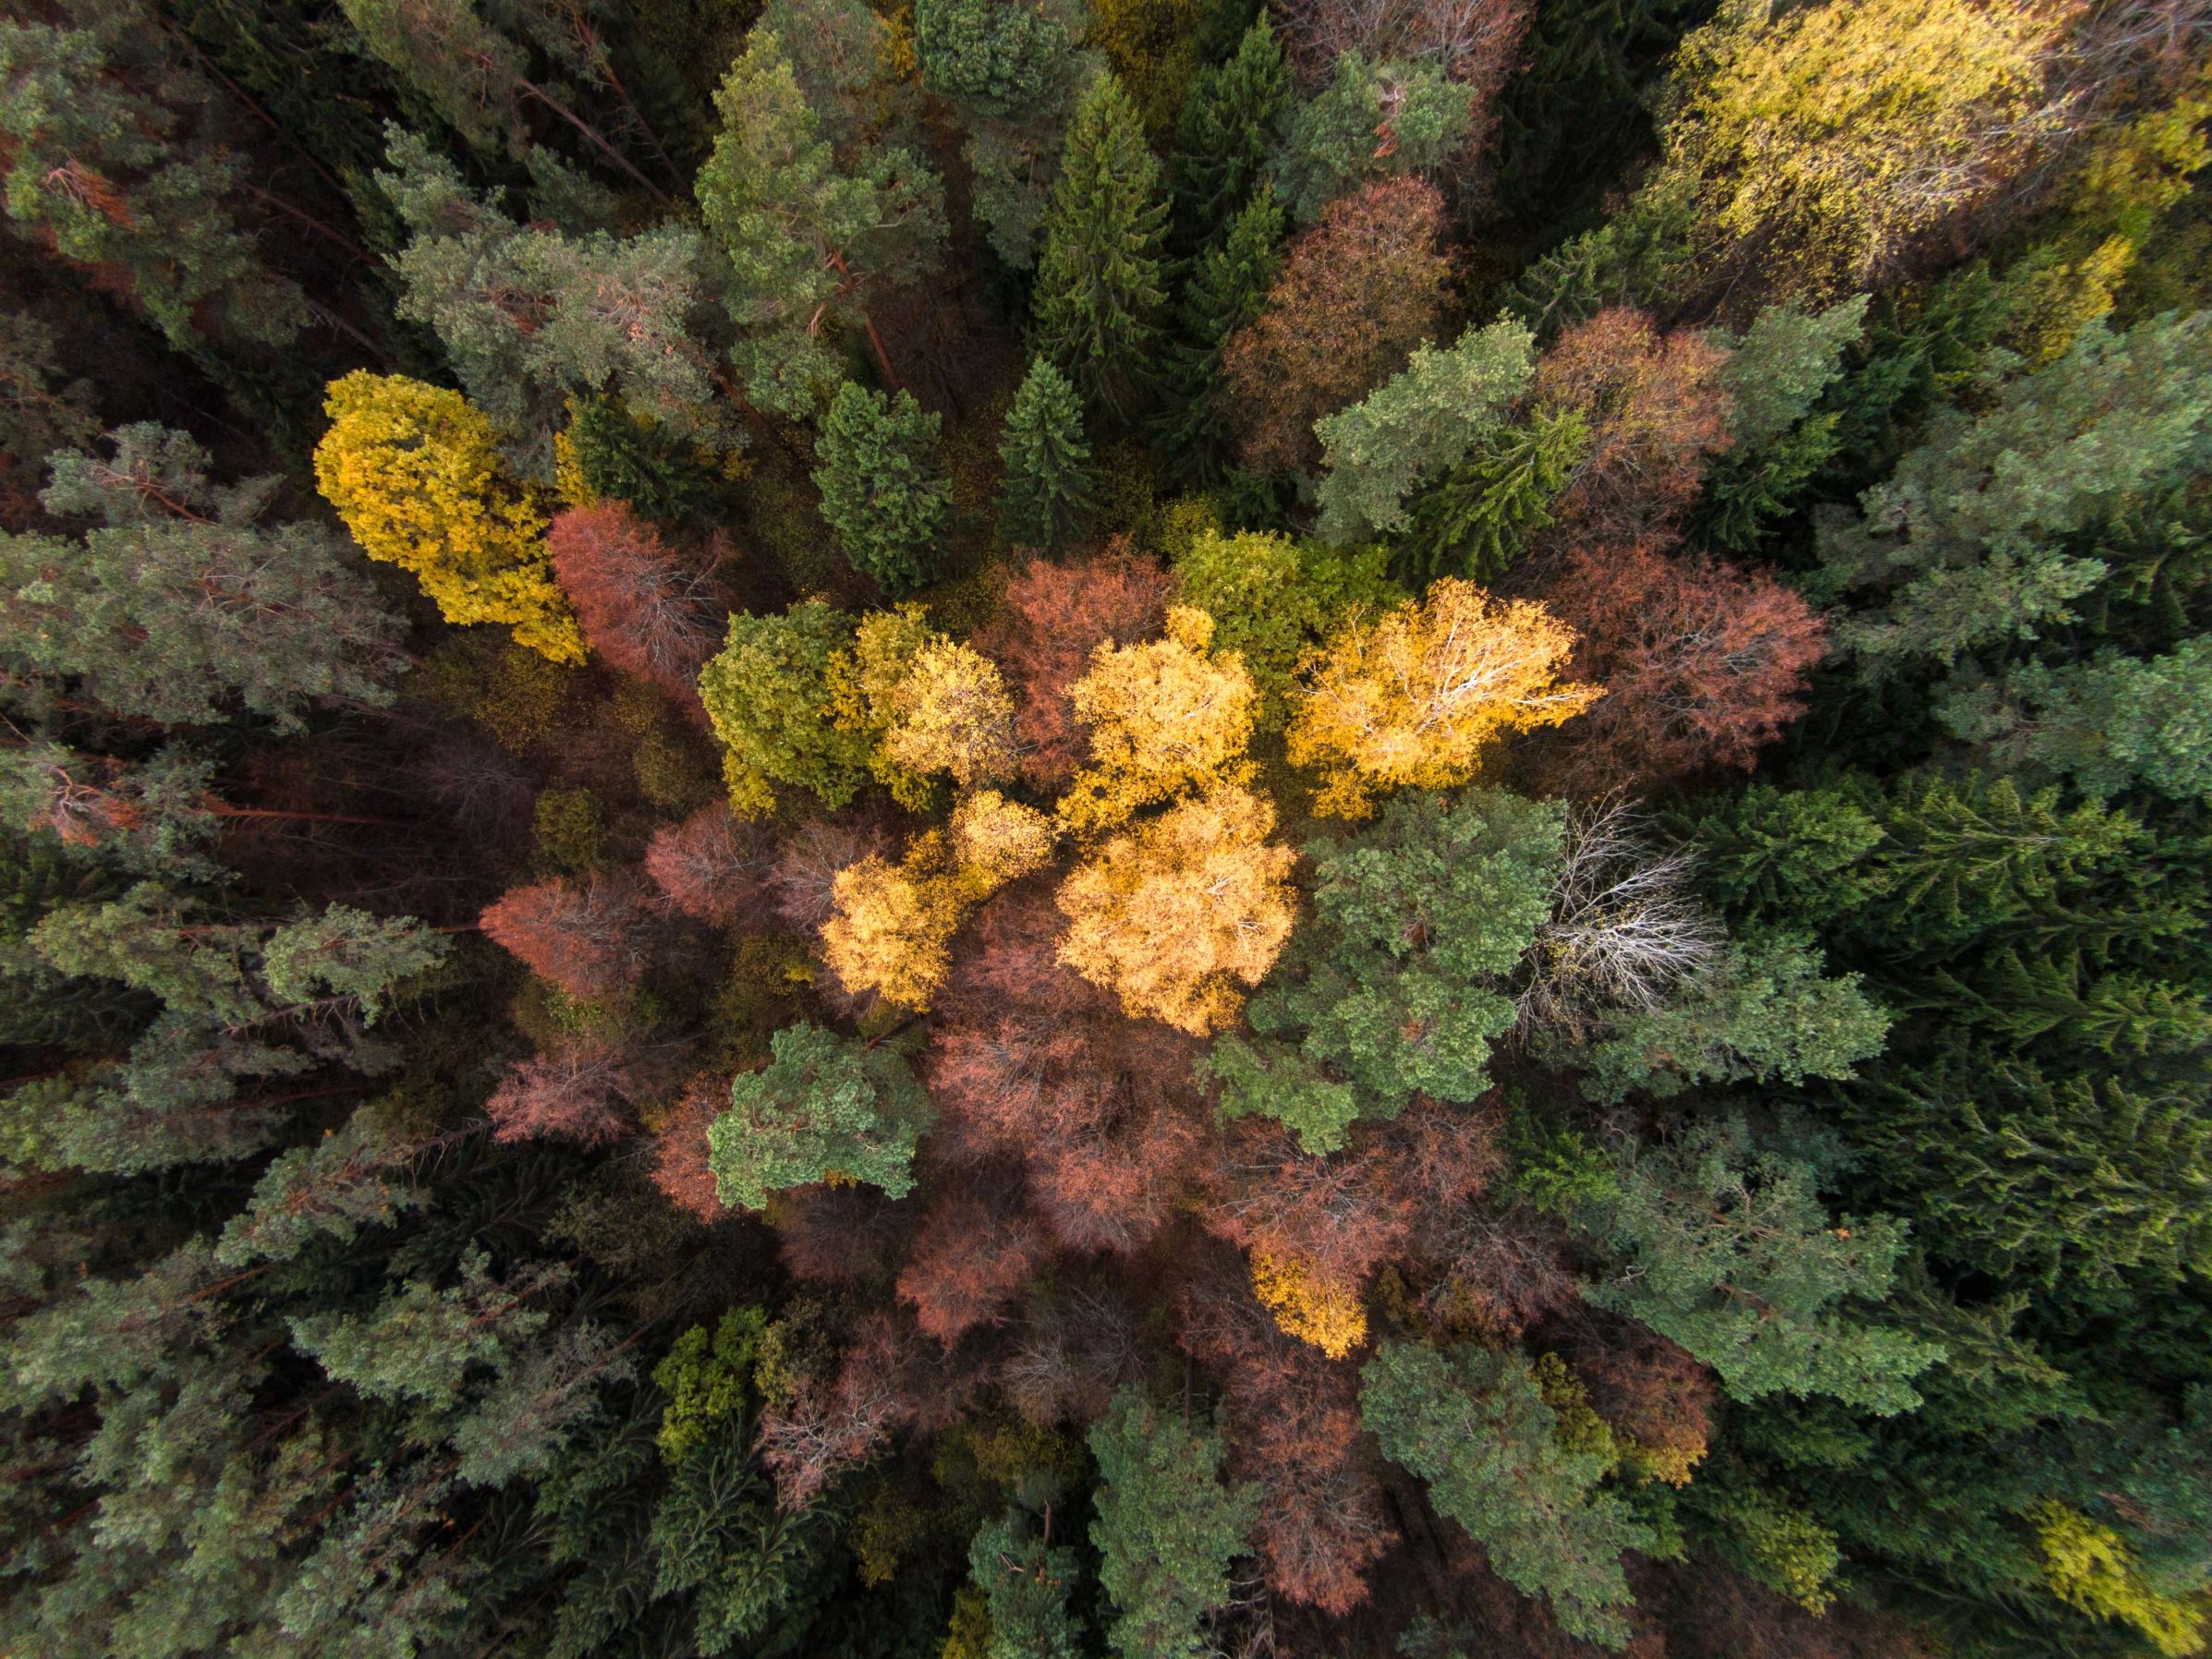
[1102,279]
[1047,487]
[883,488]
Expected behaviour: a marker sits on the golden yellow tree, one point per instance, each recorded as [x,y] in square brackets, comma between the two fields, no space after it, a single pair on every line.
[953,714]
[1308,1306]
[893,928]
[926,705]
[996,840]
[1829,135]
[415,472]
[1412,698]
[1164,718]
[1174,915]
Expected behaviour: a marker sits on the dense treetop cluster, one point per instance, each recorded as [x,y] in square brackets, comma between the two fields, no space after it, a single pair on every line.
[1023,829]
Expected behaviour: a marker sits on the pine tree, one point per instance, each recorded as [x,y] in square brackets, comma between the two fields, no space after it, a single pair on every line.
[1225,291]
[826,1107]
[1047,487]
[802,234]
[884,489]
[1102,279]
[1166,1529]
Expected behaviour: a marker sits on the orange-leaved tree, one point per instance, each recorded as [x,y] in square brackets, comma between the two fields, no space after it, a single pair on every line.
[1412,698]
[1175,914]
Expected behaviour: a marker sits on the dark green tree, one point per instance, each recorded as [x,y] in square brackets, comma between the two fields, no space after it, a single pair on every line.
[1102,278]
[1474,1426]
[1167,1528]
[1047,489]
[1227,135]
[825,1106]
[884,489]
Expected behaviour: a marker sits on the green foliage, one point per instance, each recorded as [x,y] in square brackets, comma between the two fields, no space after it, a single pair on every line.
[825,1108]
[883,488]
[1225,136]
[1986,531]
[1167,1528]
[1474,1424]
[1764,1010]
[1225,290]
[803,233]
[1102,278]
[1331,148]
[1282,1083]
[620,458]
[1047,487]
[2107,725]
[1477,520]
[1027,1584]
[767,698]
[1556,1168]
[1776,372]
[180,606]
[1730,1253]
[1274,597]
[705,1375]
[1416,427]
[1397,982]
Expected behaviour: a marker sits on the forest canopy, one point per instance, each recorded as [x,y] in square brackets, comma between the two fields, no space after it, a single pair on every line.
[1106,829]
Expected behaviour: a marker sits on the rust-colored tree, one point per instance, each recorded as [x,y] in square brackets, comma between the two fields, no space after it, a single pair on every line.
[680,1167]
[646,607]
[1703,662]
[1656,408]
[591,940]
[579,1091]
[1056,614]
[1294,1428]
[973,1255]
[1032,1062]
[1357,293]
[710,867]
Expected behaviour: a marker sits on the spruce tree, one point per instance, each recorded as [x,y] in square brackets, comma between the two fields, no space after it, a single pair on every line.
[1227,135]
[883,488]
[1047,487]
[1100,283]
[1227,288]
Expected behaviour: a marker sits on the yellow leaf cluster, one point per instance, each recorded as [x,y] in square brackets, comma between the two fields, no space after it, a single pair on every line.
[1309,1307]
[415,472]
[1174,915]
[1833,132]
[2090,1566]
[996,840]
[892,930]
[1412,698]
[929,706]
[1164,719]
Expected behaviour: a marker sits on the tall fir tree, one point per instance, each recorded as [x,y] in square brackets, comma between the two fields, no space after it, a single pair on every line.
[1047,484]
[884,489]
[1102,279]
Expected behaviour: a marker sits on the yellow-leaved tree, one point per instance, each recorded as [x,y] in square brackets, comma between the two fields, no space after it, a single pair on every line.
[1825,137]
[1164,719]
[891,931]
[1412,698]
[1308,1306]
[928,706]
[415,472]
[1177,913]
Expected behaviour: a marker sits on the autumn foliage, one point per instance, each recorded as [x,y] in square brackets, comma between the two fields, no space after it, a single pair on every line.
[578,1092]
[589,939]
[710,867]
[1415,697]
[1056,615]
[1703,662]
[644,607]
[1357,293]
